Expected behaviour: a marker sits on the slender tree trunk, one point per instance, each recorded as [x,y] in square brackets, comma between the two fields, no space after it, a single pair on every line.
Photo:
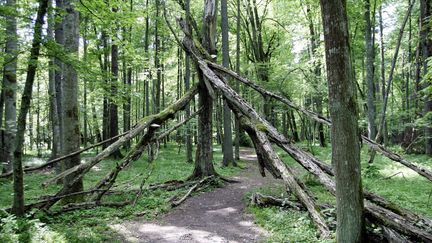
[85,116]
[157,84]
[106,110]
[228,154]
[344,115]
[369,71]
[71,131]
[187,77]
[317,95]
[426,48]
[18,203]
[58,81]
[237,85]
[54,111]
[148,77]
[10,87]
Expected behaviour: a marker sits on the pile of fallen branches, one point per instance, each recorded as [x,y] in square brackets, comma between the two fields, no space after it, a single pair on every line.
[93,197]
[379,211]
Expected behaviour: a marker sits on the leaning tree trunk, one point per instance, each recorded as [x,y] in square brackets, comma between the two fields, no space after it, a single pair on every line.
[71,131]
[345,134]
[18,204]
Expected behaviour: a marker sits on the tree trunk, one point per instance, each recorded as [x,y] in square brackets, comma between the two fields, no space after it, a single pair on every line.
[344,133]
[58,82]
[10,87]
[71,131]
[237,85]
[54,110]
[113,107]
[426,49]
[369,71]
[187,76]
[18,204]
[204,153]
[228,154]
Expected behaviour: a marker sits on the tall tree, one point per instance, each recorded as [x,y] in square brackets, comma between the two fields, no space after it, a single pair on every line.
[187,76]
[113,107]
[71,131]
[10,85]
[237,85]
[228,154]
[426,49]
[343,112]
[204,152]
[58,77]
[260,50]
[316,69]
[369,70]
[18,203]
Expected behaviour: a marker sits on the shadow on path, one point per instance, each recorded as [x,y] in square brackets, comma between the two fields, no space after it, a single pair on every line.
[212,217]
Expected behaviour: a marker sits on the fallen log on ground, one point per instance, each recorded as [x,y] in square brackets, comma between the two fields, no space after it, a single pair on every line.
[321,119]
[265,201]
[188,193]
[56,160]
[108,181]
[263,145]
[146,122]
[237,104]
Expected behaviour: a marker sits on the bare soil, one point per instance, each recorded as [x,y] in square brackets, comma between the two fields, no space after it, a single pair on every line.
[217,216]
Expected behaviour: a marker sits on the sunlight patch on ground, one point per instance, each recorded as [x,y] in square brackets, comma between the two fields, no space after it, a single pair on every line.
[160,233]
[398,171]
[35,161]
[223,211]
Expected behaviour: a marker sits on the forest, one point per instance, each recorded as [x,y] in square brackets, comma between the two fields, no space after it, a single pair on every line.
[215,121]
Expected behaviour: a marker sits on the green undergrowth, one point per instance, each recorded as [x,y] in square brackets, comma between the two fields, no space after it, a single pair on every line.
[389,179]
[93,225]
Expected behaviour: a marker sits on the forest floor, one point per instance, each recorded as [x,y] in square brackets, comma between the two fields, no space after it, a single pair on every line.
[216,216]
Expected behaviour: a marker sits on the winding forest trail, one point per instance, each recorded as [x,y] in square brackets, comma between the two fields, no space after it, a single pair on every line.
[212,217]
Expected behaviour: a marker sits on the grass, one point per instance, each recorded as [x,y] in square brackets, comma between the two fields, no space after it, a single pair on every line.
[391,180]
[93,225]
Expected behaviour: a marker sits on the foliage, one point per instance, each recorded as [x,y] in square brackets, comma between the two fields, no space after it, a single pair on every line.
[94,225]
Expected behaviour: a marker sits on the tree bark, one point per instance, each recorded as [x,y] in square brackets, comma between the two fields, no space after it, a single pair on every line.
[263,145]
[228,154]
[345,134]
[18,204]
[369,71]
[426,49]
[188,137]
[9,88]
[204,153]
[71,131]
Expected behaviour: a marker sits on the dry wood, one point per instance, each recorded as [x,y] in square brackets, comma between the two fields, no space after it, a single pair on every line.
[134,154]
[239,105]
[159,118]
[56,160]
[265,200]
[321,119]
[193,188]
[393,236]
[263,145]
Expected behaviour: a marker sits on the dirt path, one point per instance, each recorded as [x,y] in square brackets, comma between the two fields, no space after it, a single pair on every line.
[216,216]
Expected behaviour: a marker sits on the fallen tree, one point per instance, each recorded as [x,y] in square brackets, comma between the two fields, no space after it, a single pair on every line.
[265,150]
[145,123]
[376,213]
[321,119]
